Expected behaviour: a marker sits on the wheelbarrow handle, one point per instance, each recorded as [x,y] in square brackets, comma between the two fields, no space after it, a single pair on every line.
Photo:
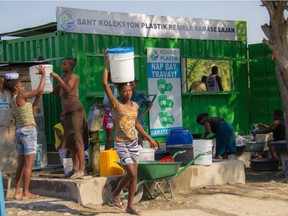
[178,152]
[188,164]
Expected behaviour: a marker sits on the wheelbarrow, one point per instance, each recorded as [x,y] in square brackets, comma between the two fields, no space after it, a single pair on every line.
[158,172]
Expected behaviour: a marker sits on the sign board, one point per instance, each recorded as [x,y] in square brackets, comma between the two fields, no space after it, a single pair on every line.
[164,80]
[128,24]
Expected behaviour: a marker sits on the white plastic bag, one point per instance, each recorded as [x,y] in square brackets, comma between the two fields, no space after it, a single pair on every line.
[67,165]
[240,141]
[95,118]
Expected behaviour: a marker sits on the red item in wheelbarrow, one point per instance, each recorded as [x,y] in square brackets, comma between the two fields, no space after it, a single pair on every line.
[167,159]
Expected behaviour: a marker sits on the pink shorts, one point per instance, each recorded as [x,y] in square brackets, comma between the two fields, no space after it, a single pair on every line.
[108,121]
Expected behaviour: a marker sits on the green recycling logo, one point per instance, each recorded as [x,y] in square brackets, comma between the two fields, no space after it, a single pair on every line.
[241,27]
[154,55]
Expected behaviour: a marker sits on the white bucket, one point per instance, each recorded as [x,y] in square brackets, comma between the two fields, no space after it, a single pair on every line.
[146,153]
[121,64]
[36,77]
[203,146]
[67,165]
[146,144]
[62,154]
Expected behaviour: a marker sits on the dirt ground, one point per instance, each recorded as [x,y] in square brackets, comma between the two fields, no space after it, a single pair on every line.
[265,193]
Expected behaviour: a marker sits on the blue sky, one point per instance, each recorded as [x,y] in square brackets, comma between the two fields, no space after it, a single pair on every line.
[15,15]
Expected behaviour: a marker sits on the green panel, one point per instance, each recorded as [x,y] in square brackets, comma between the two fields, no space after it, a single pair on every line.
[232,106]
[30,48]
[265,95]
[89,48]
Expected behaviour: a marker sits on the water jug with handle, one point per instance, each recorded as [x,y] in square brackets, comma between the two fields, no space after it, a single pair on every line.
[121,64]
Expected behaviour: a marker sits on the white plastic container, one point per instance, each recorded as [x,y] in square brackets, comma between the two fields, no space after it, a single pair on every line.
[146,153]
[36,77]
[203,146]
[121,64]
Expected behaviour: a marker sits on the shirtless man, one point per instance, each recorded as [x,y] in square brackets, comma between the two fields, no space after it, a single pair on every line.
[75,124]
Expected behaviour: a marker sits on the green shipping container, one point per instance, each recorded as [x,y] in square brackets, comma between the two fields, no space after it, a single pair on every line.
[265,94]
[232,105]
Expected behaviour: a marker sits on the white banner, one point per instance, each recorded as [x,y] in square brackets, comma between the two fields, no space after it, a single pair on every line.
[164,80]
[111,23]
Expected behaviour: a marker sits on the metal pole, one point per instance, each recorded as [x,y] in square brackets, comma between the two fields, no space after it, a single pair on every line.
[2,202]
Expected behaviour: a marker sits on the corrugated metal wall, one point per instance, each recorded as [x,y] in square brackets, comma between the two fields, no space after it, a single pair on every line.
[265,94]
[31,48]
[88,49]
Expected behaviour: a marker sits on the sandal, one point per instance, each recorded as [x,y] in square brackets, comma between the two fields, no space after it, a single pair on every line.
[118,204]
[133,211]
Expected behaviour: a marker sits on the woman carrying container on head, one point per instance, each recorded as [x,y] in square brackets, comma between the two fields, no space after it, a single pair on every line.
[224,133]
[26,131]
[125,141]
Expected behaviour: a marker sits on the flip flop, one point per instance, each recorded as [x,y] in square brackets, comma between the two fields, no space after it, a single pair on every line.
[133,212]
[77,175]
[31,196]
[115,203]
[18,197]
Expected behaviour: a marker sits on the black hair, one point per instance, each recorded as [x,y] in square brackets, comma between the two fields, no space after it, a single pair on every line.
[214,70]
[201,117]
[279,113]
[72,60]
[121,85]
[204,78]
[10,84]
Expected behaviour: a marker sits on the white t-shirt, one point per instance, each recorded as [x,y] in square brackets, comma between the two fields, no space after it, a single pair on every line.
[212,84]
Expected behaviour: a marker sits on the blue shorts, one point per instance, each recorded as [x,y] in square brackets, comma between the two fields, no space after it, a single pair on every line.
[26,139]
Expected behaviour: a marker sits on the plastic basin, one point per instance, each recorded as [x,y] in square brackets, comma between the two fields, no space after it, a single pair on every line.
[264,164]
[240,149]
[252,146]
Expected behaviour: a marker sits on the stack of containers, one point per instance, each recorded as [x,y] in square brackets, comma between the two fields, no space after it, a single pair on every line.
[180,140]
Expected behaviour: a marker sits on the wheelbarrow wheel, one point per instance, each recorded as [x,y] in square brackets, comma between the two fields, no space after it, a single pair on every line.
[138,195]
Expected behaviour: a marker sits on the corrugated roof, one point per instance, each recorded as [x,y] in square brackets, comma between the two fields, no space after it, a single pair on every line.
[26,63]
[42,29]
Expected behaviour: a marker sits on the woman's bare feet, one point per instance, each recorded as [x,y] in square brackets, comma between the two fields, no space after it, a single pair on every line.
[18,194]
[133,211]
[30,196]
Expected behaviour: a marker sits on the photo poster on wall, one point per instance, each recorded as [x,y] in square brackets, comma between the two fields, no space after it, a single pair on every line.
[164,80]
